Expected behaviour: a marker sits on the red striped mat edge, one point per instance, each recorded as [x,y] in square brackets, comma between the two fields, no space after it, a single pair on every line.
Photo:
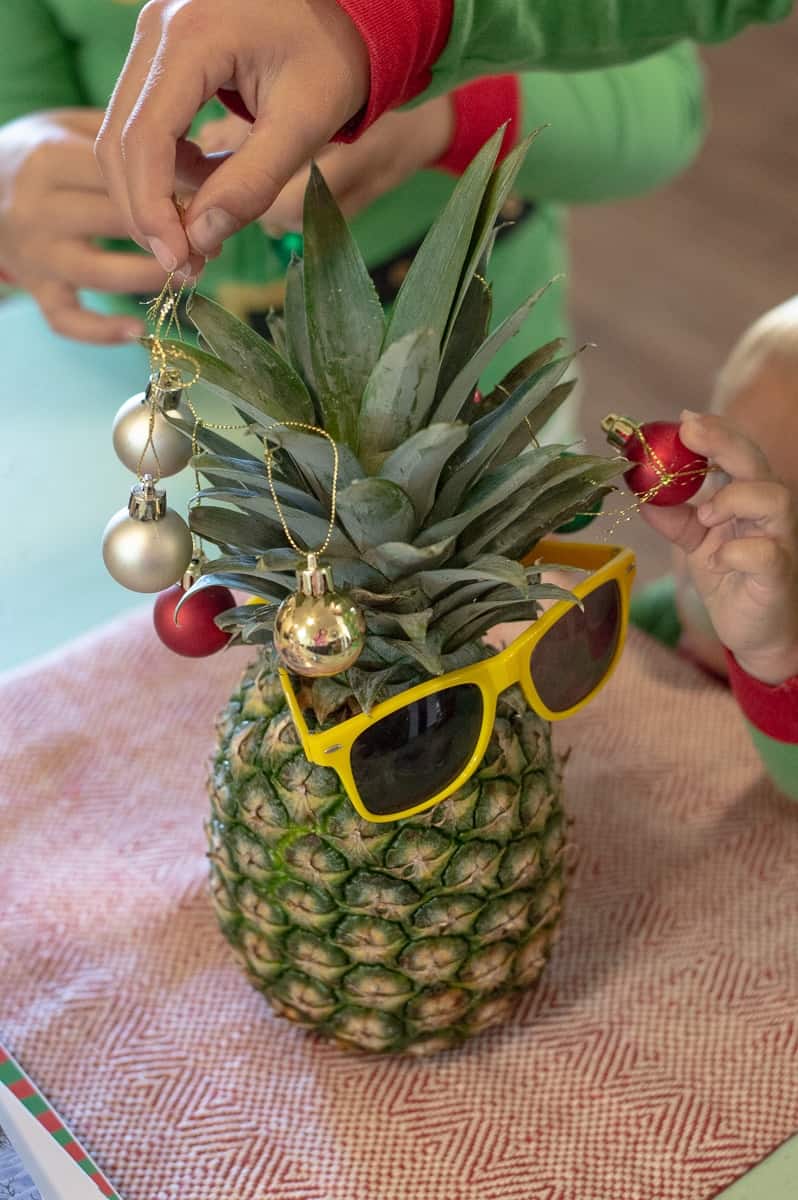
[14,1078]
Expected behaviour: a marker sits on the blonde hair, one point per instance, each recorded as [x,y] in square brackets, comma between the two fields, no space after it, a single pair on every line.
[772,339]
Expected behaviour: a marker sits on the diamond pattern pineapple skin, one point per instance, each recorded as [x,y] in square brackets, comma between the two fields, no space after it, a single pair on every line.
[402,937]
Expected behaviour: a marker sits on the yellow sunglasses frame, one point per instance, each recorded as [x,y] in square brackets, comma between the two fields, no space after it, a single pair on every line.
[333,747]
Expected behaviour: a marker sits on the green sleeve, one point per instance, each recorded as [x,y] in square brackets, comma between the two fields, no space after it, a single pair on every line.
[493,36]
[37,69]
[616,132]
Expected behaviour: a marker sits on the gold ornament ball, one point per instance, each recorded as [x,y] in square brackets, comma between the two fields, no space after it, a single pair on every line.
[131,430]
[319,634]
[146,556]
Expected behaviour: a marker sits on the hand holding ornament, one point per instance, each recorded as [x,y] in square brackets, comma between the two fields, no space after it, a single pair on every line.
[741,550]
[53,205]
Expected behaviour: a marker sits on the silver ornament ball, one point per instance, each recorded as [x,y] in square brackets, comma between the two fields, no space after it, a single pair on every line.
[318,631]
[132,426]
[146,546]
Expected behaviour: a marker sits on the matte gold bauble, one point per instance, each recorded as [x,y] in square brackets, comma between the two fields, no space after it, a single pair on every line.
[169,450]
[146,546]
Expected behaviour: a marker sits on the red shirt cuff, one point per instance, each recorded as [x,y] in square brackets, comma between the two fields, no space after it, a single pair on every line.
[479,109]
[404,39]
[4,278]
[771,708]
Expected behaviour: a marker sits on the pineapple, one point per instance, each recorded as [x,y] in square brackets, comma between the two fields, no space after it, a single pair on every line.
[407,935]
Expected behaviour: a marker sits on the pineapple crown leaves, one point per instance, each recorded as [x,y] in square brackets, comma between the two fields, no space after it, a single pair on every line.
[433,508]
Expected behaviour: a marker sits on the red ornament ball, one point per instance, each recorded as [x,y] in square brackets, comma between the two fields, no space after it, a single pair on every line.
[665,471]
[193,633]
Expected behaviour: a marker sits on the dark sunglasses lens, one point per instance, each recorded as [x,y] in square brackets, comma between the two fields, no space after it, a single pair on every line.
[572,657]
[409,756]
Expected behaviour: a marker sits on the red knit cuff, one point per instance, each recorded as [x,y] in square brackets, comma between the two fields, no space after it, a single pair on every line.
[479,109]
[404,39]
[772,709]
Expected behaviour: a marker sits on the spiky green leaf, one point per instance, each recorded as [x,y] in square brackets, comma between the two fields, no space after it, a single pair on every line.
[255,361]
[373,511]
[313,458]
[412,625]
[274,590]
[344,316]
[416,465]
[526,434]
[494,489]
[468,334]
[493,200]
[297,325]
[561,483]
[226,527]
[491,567]
[255,485]
[328,696]
[309,529]
[487,436]
[215,443]
[371,687]
[427,294]
[466,380]
[396,559]
[398,396]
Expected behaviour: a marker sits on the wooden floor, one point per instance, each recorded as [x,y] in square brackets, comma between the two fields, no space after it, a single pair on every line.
[664,285]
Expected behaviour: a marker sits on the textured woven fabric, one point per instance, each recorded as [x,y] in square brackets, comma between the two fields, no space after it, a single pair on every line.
[658,1059]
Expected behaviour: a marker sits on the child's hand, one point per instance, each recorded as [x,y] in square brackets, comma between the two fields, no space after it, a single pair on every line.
[741,549]
[53,203]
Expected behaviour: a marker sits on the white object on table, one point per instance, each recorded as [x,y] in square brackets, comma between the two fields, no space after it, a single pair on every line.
[56,1175]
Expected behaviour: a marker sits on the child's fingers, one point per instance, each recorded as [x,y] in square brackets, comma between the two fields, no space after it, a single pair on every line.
[680,525]
[762,558]
[82,265]
[83,214]
[766,501]
[64,314]
[718,440]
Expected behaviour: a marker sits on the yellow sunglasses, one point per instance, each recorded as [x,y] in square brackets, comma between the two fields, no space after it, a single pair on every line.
[416,749]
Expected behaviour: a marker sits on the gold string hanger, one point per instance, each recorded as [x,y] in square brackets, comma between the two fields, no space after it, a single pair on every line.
[268,454]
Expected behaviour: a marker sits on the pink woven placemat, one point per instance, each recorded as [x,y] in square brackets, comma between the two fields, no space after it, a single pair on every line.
[657,1061]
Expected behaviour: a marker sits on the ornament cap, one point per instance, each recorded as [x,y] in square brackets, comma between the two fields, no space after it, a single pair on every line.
[618,429]
[165,388]
[147,502]
[314,580]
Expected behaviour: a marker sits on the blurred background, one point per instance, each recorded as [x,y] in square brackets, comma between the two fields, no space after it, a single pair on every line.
[665,285]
